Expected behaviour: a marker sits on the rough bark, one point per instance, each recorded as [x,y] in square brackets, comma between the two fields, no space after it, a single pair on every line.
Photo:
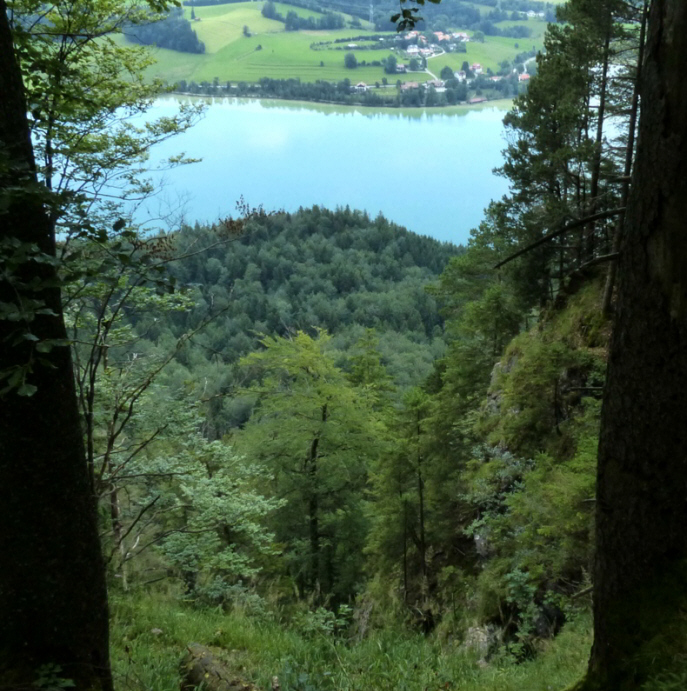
[53,602]
[642,474]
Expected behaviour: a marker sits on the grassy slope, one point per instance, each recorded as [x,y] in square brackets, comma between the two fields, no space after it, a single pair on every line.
[494,50]
[257,650]
[230,56]
[284,9]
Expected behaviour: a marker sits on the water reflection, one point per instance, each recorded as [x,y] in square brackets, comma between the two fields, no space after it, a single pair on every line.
[429,171]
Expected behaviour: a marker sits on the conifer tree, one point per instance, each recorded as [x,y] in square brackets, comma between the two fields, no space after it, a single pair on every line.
[641,543]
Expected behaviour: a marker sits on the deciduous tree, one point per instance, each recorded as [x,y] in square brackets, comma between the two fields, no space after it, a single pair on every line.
[316,433]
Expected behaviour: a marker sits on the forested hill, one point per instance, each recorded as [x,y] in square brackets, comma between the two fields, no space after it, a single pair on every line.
[315,269]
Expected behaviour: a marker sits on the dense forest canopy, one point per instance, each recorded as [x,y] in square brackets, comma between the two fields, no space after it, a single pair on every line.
[338,271]
[323,422]
[173,31]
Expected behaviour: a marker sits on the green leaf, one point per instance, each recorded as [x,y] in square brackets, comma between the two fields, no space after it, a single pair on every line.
[27,389]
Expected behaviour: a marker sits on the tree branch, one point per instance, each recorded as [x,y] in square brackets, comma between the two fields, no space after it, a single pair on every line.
[561,231]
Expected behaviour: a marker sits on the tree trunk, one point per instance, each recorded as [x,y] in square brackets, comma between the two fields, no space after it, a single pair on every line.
[314,509]
[421,499]
[642,476]
[629,159]
[118,533]
[405,551]
[598,143]
[53,602]
[314,527]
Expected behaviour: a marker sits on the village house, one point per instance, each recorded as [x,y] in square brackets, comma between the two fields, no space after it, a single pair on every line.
[407,86]
[441,36]
[476,68]
[360,87]
[436,83]
[401,68]
[412,50]
[477,99]
[460,76]
[524,77]
[461,36]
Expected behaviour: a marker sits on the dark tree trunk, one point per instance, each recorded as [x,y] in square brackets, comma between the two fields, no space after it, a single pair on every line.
[314,527]
[598,143]
[421,500]
[405,551]
[314,508]
[629,159]
[53,602]
[642,478]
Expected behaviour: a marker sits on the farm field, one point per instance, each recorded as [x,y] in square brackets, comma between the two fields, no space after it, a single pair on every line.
[536,26]
[284,9]
[272,52]
[220,29]
[489,54]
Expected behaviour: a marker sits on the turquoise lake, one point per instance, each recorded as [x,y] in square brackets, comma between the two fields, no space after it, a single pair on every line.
[430,172]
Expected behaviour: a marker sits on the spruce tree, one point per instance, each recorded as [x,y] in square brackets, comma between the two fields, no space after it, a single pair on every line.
[641,540]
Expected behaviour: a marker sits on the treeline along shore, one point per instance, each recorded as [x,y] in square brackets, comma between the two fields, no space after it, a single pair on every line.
[434,94]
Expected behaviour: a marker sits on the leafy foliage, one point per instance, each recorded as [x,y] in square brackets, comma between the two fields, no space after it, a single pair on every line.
[289,412]
[333,270]
[317,434]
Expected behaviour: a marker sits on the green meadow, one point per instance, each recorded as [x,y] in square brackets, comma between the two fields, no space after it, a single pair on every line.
[272,52]
[150,634]
[489,54]
[284,9]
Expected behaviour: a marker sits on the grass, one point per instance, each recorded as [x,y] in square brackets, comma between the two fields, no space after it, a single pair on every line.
[230,56]
[149,636]
[284,9]
[537,28]
[221,25]
[281,56]
[489,54]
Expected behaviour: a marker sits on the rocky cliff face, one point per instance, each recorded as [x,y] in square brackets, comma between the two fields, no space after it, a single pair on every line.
[532,475]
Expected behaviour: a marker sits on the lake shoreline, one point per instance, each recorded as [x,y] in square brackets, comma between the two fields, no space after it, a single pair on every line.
[503,104]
